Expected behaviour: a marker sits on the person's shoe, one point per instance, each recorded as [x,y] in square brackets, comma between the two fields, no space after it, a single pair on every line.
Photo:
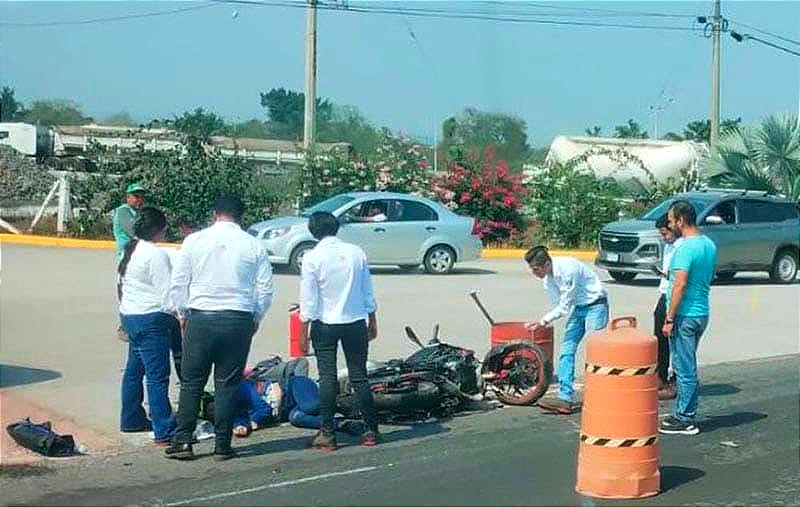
[557,405]
[370,439]
[671,425]
[179,451]
[351,427]
[148,426]
[324,441]
[668,392]
[225,454]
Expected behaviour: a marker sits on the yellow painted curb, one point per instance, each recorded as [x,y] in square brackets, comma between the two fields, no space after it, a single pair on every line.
[31,239]
[513,253]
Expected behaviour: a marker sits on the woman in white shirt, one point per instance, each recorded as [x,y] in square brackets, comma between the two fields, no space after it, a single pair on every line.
[145,311]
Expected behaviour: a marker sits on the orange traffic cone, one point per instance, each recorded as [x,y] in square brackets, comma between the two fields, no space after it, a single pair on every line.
[618,455]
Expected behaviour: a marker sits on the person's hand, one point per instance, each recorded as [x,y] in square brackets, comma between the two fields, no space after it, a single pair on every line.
[372,330]
[255,327]
[182,323]
[533,325]
[667,329]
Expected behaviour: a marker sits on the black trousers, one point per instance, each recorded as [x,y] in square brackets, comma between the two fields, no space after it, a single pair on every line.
[355,343]
[659,316]
[221,339]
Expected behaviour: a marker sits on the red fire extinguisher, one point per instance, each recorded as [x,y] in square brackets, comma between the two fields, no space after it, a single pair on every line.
[296,347]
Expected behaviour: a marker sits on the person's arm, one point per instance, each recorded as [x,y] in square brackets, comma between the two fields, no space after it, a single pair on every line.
[126,219]
[679,269]
[369,298]
[566,301]
[678,289]
[160,278]
[264,287]
[179,285]
[309,300]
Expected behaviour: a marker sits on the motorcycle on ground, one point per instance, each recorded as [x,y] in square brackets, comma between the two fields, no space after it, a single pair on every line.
[439,379]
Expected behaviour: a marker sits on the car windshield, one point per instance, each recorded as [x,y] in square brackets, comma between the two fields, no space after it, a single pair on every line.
[661,210]
[329,205]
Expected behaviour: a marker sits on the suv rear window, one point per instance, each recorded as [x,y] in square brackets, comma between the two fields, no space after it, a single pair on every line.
[751,212]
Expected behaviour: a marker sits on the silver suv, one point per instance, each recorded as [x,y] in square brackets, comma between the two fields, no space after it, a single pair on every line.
[753,231]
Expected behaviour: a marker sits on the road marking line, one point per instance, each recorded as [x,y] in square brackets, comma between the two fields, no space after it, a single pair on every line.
[271,486]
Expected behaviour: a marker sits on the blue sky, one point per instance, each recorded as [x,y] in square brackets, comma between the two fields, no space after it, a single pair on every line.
[558,79]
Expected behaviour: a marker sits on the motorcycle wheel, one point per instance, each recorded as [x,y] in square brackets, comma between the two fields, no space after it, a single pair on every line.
[528,377]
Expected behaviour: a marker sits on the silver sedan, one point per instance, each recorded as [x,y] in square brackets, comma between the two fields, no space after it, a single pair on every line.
[392,228]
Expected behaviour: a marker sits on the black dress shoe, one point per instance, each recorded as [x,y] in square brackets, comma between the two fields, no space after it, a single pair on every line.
[224,454]
[179,451]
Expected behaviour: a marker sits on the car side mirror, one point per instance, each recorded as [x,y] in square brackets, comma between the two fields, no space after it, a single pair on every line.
[714,220]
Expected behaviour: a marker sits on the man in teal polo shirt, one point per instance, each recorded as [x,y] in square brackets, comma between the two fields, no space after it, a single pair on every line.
[125,215]
[690,274]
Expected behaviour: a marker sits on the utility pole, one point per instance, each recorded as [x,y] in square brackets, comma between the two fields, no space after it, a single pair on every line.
[310,117]
[716,28]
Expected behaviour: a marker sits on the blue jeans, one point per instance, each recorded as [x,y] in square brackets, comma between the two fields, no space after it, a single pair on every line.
[582,320]
[250,406]
[686,333]
[148,357]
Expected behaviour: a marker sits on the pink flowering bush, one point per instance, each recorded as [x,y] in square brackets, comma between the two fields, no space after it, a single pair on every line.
[486,190]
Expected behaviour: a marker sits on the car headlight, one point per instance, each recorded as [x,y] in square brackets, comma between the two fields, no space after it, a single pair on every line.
[649,251]
[275,233]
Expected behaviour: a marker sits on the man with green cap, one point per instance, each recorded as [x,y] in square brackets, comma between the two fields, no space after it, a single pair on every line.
[125,215]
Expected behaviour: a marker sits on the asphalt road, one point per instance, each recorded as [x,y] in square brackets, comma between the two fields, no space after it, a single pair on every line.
[746,455]
[58,320]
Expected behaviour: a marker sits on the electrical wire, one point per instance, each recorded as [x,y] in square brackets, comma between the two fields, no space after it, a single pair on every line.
[456,14]
[108,19]
[764,32]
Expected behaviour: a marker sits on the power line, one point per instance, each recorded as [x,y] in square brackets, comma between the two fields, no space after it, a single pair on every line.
[458,14]
[746,36]
[774,35]
[109,19]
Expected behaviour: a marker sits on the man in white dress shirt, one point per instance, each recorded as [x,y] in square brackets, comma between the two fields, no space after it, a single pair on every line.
[222,287]
[671,241]
[576,291]
[337,304]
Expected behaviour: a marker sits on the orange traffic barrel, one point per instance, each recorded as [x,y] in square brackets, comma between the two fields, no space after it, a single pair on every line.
[296,347]
[504,332]
[618,455]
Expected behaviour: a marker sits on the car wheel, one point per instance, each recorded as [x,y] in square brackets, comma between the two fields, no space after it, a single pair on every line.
[296,260]
[622,276]
[440,260]
[725,276]
[784,267]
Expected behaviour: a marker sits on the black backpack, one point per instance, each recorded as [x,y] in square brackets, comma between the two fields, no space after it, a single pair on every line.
[41,438]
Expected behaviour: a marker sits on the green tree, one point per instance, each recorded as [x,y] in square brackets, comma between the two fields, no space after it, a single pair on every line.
[55,112]
[286,108]
[594,131]
[474,131]
[762,157]
[348,125]
[630,130]
[251,128]
[10,108]
[200,124]
[121,119]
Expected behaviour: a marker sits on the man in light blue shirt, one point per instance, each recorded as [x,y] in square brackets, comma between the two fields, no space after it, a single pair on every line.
[690,274]
[670,242]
